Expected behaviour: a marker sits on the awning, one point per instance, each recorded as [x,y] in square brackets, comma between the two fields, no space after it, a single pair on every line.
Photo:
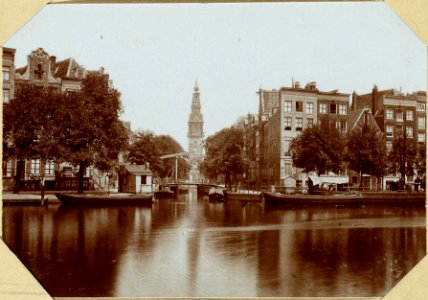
[329,179]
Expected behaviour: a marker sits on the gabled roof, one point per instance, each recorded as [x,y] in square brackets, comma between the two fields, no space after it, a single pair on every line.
[63,68]
[21,70]
[138,170]
[354,117]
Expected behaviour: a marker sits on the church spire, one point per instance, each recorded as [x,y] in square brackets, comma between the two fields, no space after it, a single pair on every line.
[195,135]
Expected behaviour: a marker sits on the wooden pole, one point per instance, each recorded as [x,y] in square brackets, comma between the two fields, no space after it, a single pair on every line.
[176,169]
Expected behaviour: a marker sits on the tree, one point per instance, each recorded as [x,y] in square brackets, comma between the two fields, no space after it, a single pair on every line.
[149,147]
[224,155]
[421,159]
[366,151]
[144,150]
[319,149]
[92,134]
[30,127]
[403,156]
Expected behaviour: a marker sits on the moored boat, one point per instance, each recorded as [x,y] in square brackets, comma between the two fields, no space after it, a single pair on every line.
[104,198]
[216,194]
[242,196]
[165,192]
[353,198]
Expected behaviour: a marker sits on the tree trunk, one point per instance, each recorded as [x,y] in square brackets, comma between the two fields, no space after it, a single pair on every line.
[227,179]
[16,186]
[361,179]
[82,168]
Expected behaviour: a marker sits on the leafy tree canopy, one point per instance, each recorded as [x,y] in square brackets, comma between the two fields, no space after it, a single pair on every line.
[148,147]
[403,156]
[224,154]
[366,152]
[319,149]
[92,132]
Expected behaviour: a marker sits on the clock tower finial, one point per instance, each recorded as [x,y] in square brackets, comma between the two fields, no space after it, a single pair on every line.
[196,88]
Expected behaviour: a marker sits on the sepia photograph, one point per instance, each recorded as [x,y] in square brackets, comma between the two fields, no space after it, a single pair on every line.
[214,150]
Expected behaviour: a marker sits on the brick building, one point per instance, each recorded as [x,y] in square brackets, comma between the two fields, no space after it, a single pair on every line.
[8,67]
[396,114]
[285,113]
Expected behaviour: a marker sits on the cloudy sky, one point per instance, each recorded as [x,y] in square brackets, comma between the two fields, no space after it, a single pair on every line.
[154,53]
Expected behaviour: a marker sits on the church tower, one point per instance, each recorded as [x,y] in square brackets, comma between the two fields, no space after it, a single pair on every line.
[195,135]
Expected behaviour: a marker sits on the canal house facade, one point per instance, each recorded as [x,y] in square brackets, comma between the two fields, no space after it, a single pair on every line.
[285,113]
[42,69]
[396,115]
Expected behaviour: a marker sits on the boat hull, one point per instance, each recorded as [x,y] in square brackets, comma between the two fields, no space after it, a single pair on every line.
[344,199]
[164,194]
[237,196]
[216,194]
[104,199]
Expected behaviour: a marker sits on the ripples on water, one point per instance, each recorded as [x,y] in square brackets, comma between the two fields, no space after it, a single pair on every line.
[194,248]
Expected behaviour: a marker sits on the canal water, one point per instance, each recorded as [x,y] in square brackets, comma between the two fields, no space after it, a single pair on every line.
[192,247]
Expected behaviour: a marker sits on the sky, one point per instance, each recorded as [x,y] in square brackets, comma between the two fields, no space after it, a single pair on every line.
[154,53]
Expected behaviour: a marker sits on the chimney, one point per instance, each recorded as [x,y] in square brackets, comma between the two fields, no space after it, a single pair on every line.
[375,97]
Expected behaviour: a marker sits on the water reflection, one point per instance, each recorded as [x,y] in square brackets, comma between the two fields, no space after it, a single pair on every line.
[191,247]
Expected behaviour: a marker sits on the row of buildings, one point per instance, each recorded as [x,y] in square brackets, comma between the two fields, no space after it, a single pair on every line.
[66,75]
[285,112]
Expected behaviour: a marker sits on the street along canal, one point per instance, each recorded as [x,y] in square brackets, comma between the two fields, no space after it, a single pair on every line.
[192,247]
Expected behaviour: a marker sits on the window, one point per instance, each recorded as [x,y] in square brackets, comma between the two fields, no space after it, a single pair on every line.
[333,108]
[337,124]
[299,106]
[420,107]
[299,124]
[421,137]
[389,114]
[388,146]
[50,168]
[323,108]
[6,73]
[343,126]
[35,166]
[287,122]
[309,122]
[409,131]
[421,122]
[399,116]
[6,96]
[309,108]
[409,115]
[7,168]
[342,109]
[288,106]
[389,130]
